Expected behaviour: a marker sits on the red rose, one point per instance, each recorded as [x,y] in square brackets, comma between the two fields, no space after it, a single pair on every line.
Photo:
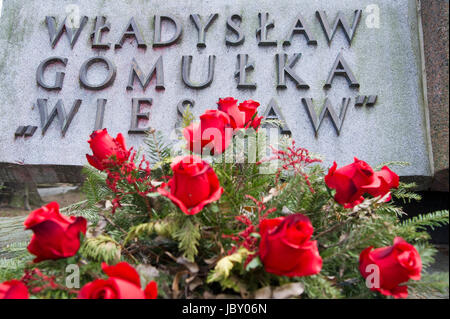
[356,179]
[104,146]
[194,184]
[396,264]
[285,248]
[229,106]
[388,179]
[251,114]
[214,131]
[123,283]
[243,115]
[13,289]
[55,235]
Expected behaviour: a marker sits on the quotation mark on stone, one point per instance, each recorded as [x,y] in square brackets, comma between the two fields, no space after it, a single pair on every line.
[371,100]
[25,131]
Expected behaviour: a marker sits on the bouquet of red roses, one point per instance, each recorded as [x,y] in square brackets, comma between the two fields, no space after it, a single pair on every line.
[221,217]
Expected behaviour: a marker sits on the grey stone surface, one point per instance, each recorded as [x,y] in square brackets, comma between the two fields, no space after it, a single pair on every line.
[386,61]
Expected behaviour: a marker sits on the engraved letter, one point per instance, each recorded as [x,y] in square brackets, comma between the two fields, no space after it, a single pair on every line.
[132,31]
[109,78]
[235,28]
[136,71]
[286,67]
[136,115]
[100,114]
[241,72]
[58,111]
[340,20]
[59,75]
[202,28]
[157,42]
[263,30]
[186,71]
[341,68]
[96,36]
[299,27]
[71,33]
[327,109]
[273,112]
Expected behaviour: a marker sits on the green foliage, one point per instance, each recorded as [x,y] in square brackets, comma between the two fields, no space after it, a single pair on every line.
[82,209]
[161,228]
[321,287]
[224,266]
[13,260]
[435,219]
[434,285]
[405,192]
[188,236]
[158,148]
[426,252]
[101,248]
[94,186]
[188,117]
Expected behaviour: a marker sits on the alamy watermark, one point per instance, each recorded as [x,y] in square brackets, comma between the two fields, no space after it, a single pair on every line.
[373,16]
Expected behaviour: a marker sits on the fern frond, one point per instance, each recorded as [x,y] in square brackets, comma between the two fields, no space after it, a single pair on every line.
[158,148]
[188,117]
[101,248]
[430,286]
[319,286]
[405,192]
[161,228]
[91,214]
[188,236]
[426,253]
[391,210]
[224,266]
[434,219]
[94,185]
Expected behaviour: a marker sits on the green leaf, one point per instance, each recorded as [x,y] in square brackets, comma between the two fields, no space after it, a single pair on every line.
[224,266]
[255,263]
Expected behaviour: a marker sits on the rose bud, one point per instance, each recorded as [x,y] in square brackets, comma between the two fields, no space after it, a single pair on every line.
[55,236]
[105,147]
[393,265]
[354,180]
[243,115]
[13,289]
[214,131]
[237,117]
[193,186]
[123,283]
[285,248]
[388,179]
[251,115]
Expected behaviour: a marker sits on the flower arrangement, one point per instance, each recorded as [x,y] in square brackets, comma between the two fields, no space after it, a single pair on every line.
[191,223]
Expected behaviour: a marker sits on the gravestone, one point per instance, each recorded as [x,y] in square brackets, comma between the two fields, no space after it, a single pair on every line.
[346,76]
